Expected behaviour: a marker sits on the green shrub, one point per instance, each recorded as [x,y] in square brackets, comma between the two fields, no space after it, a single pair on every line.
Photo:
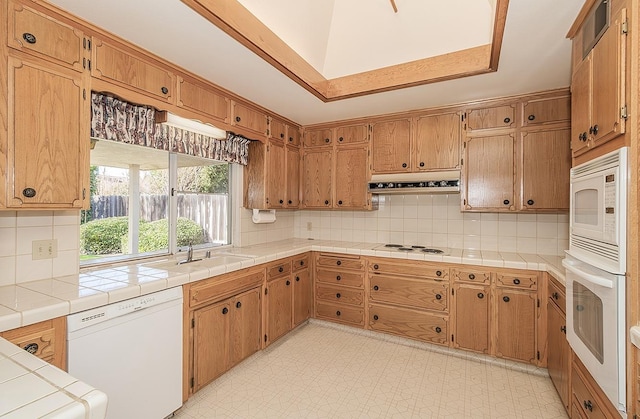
[154,236]
[104,236]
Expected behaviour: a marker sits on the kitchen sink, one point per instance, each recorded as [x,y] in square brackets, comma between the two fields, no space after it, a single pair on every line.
[215,260]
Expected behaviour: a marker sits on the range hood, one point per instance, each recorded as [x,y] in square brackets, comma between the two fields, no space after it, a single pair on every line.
[416,183]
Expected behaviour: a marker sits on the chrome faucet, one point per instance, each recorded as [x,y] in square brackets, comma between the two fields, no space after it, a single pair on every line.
[189,256]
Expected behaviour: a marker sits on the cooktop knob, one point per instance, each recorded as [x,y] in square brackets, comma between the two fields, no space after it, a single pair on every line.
[380,185]
[421,184]
[389,185]
[443,183]
[432,183]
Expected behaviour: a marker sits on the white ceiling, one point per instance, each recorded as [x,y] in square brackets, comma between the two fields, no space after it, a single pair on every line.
[535,55]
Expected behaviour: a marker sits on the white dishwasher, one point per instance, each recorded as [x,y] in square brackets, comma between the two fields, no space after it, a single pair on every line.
[132,351]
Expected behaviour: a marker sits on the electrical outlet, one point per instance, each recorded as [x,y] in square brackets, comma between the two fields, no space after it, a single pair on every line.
[44,249]
[309,226]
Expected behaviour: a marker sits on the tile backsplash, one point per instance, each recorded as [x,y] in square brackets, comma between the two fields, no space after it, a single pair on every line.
[19,229]
[436,220]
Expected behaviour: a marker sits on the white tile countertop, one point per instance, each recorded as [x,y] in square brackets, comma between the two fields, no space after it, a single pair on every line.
[32,388]
[31,302]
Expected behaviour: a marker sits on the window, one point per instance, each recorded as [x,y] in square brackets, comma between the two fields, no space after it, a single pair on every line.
[148,202]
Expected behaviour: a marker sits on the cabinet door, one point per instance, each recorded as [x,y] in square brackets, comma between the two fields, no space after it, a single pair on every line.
[123,67]
[581,107]
[608,90]
[352,134]
[245,326]
[351,176]
[293,176]
[409,323]
[488,171]
[545,164]
[391,146]
[36,33]
[546,111]
[277,129]
[317,166]
[48,134]
[558,352]
[210,343]
[302,296]
[280,307]
[471,327]
[276,175]
[293,135]
[203,99]
[516,324]
[490,118]
[318,137]
[250,119]
[437,142]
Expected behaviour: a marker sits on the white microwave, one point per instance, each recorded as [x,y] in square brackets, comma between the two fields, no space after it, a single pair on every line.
[598,214]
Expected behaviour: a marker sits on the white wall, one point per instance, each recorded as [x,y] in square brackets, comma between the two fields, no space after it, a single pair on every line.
[436,220]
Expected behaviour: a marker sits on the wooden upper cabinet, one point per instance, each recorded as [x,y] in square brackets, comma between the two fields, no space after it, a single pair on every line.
[48,131]
[545,164]
[317,165]
[318,137]
[351,176]
[276,175]
[203,99]
[489,173]
[249,119]
[581,107]
[36,33]
[391,146]
[352,134]
[131,69]
[437,142]
[546,111]
[491,118]
[277,129]
[293,176]
[293,135]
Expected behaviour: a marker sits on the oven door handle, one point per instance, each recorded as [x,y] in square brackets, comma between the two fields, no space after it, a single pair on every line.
[595,279]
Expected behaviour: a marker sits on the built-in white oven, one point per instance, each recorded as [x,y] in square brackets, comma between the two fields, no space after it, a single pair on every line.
[598,211]
[596,325]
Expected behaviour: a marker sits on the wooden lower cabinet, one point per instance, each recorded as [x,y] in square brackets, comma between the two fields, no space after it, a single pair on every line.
[47,340]
[558,349]
[279,303]
[302,296]
[339,288]
[470,329]
[587,399]
[516,315]
[415,324]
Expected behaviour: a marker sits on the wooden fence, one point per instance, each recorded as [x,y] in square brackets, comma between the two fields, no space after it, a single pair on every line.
[209,211]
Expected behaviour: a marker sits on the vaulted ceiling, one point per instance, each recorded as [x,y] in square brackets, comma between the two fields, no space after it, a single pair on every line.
[348,49]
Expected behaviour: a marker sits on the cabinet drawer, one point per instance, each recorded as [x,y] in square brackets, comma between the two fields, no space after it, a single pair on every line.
[409,323]
[341,313]
[278,270]
[351,279]
[430,295]
[250,119]
[46,340]
[557,295]
[198,97]
[545,111]
[317,138]
[342,295]
[471,275]
[352,134]
[41,344]
[588,404]
[515,280]
[340,262]
[300,262]
[36,33]
[496,117]
[409,268]
[217,288]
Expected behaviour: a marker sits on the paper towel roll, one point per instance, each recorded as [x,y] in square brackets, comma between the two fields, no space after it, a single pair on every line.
[263,216]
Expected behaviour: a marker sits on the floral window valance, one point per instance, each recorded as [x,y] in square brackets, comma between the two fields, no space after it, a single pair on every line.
[115,120]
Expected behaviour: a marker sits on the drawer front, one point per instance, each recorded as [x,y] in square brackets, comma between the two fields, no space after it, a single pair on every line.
[587,402]
[278,270]
[545,111]
[41,344]
[409,323]
[351,279]
[202,99]
[224,286]
[513,280]
[342,295]
[430,295]
[424,270]
[496,117]
[300,262]
[471,275]
[340,262]
[340,313]
[557,295]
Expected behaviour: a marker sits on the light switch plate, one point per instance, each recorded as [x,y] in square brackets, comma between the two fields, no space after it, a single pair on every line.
[45,249]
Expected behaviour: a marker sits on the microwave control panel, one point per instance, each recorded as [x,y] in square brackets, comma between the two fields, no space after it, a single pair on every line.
[610,207]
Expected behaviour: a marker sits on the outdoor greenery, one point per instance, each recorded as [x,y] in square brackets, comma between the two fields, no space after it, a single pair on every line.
[108,236]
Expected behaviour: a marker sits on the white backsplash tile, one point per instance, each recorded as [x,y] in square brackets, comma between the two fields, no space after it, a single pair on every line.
[34,218]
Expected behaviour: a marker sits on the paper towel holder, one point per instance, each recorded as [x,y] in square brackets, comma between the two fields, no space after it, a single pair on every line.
[261,216]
